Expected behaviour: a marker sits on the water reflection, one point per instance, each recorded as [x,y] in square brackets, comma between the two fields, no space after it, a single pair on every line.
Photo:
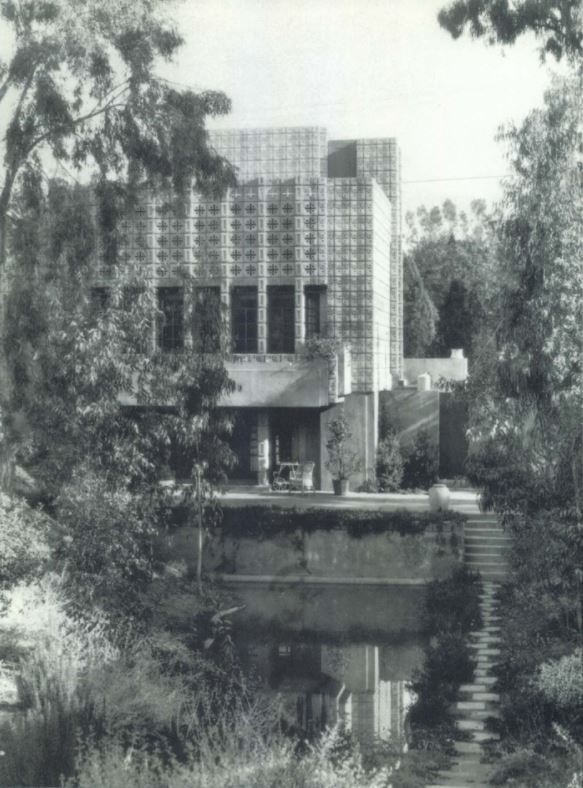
[335,653]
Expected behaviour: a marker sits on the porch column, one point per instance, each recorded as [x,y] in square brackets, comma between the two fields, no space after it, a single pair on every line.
[263,452]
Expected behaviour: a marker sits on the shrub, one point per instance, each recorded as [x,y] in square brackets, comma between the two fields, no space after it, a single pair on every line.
[389,463]
[24,547]
[451,610]
[421,462]
[264,522]
[263,765]
[453,604]
[106,544]
[342,462]
[561,681]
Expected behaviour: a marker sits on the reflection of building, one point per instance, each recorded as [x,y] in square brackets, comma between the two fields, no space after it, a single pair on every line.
[307,245]
[321,685]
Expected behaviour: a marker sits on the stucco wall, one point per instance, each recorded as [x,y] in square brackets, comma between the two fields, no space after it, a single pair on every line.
[409,411]
[328,554]
[455,368]
[361,411]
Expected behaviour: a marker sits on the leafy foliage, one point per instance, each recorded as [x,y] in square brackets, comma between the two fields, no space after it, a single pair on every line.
[559,24]
[541,623]
[453,604]
[342,461]
[451,611]
[421,462]
[419,312]
[24,541]
[262,522]
[85,684]
[81,85]
[527,394]
[75,363]
[449,278]
[389,470]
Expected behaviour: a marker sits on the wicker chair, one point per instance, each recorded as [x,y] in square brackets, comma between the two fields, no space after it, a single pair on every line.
[303,478]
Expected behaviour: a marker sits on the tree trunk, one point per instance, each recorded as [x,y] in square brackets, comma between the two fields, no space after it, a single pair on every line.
[200,531]
[7,462]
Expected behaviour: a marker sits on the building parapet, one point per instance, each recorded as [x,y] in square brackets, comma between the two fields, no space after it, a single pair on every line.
[288,380]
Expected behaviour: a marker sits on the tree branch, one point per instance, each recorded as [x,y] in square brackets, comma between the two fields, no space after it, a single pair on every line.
[76,122]
[4,87]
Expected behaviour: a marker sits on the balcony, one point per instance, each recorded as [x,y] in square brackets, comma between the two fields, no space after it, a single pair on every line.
[287,380]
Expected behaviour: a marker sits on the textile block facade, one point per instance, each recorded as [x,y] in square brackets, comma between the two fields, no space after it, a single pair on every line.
[308,244]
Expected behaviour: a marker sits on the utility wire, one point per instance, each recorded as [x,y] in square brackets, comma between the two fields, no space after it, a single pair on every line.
[461,178]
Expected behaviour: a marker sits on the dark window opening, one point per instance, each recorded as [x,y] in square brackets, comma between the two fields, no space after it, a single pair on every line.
[170,333]
[99,300]
[244,319]
[207,320]
[315,312]
[280,320]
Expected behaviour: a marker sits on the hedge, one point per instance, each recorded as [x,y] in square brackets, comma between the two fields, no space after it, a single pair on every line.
[263,522]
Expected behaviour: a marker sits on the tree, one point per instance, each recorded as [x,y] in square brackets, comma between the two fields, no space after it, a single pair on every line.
[452,252]
[526,415]
[74,361]
[558,23]
[80,86]
[460,317]
[419,312]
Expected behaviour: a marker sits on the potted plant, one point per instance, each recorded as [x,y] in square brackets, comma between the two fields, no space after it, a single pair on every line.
[342,461]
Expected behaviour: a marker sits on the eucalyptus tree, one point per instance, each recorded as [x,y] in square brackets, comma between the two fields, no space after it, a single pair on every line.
[78,84]
[528,389]
[557,23]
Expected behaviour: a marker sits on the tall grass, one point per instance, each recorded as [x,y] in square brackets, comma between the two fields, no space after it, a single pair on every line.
[267,764]
[40,741]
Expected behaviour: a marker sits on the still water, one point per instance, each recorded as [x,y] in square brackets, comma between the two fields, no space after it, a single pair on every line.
[334,653]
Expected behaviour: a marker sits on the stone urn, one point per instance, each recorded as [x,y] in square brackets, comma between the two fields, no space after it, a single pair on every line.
[438,497]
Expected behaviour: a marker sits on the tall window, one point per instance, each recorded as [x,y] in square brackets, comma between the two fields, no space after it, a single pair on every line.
[315,311]
[207,324]
[170,329]
[99,300]
[280,320]
[244,319]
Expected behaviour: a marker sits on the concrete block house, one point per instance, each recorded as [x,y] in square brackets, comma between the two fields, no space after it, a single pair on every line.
[306,246]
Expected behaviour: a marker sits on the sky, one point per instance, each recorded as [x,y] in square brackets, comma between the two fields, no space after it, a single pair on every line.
[367,68]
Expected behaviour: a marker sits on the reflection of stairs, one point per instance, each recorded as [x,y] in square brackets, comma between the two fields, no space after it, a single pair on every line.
[477,702]
[486,546]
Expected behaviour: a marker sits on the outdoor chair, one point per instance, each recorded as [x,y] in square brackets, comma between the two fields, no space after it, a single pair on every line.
[302,477]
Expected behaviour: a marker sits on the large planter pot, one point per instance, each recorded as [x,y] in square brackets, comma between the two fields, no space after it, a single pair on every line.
[439,498]
[340,486]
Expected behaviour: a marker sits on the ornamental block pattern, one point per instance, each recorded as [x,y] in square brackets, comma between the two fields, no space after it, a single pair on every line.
[273,153]
[288,223]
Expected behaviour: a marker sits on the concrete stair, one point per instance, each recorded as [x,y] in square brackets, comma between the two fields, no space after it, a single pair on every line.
[477,701]
[487,547]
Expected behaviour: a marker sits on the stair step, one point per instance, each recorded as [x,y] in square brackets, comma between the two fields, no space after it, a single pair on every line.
[467,747]
[481,736]
[471,561]
[485,650]
[471,688]
[479,714]
[477,705]
[492,697]
[470,725]
[487,680]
